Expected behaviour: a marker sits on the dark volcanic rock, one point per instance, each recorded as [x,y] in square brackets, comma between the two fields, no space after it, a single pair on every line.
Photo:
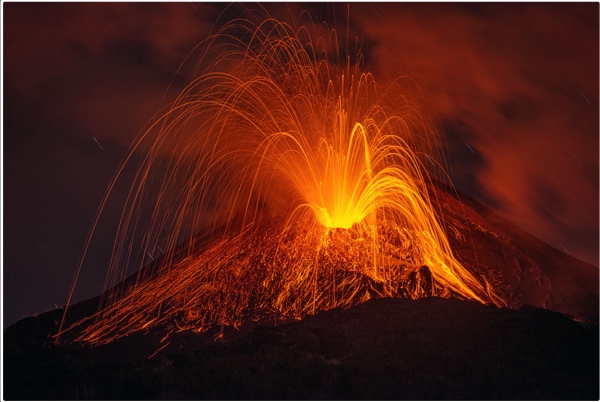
[521,268]
[430,348]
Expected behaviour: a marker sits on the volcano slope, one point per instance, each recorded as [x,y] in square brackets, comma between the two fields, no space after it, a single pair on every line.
[544,346]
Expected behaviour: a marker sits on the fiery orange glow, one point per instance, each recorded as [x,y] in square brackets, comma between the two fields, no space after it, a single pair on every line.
[306,182]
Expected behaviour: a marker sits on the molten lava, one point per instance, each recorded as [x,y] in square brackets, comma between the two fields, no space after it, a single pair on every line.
[309,180]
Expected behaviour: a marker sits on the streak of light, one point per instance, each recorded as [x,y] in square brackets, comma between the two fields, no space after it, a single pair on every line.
[42,247]
[564,248]
[468,146]
[9,272]
[159,349]
[585,97]
[373,8]
[98,143]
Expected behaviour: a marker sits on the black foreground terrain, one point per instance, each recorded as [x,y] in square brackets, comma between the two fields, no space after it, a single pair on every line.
[431,348]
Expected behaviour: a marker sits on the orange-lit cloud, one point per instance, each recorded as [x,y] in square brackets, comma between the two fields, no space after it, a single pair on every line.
[517,87]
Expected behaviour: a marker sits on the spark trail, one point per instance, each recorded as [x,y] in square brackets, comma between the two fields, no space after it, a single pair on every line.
[306,179]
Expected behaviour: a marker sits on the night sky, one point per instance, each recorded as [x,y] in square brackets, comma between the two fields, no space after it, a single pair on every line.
[514,89]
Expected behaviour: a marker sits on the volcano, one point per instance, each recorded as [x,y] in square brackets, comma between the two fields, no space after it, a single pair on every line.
[544,345]
[282,181]
[313,251]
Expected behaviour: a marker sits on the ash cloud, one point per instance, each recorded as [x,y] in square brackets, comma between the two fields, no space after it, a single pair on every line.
[521,80]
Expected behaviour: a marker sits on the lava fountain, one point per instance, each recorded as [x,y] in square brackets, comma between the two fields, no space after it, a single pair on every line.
[282,181]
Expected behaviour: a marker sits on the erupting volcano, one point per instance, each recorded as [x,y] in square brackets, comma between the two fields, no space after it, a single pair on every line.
[282,181]
[285,227]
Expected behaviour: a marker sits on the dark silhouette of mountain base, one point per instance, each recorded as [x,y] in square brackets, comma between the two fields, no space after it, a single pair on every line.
[544,346]
[430,348]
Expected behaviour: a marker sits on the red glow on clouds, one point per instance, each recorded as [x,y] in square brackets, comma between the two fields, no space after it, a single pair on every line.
[522,80]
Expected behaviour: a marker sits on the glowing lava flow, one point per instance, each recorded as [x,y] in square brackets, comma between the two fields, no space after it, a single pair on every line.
[308,179]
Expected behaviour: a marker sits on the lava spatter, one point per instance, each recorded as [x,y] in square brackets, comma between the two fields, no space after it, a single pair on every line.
[309,177]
